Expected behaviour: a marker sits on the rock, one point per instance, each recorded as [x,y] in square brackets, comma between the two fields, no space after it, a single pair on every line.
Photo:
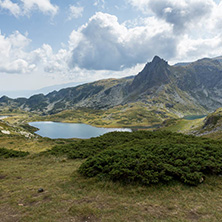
[6,132]
[201,180]
[40,190]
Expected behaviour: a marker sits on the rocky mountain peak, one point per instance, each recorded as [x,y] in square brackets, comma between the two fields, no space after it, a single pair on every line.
[5,99]
[158,60]
[154,73]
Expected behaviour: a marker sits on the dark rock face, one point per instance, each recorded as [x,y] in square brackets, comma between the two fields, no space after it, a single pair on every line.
[194,86]
[154,74]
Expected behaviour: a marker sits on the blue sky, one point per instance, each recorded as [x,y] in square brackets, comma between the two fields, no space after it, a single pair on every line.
[48,42]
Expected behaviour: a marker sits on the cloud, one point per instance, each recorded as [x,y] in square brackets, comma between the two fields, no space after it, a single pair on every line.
[44,6]
[25,7]
[103,43]
[50,62]
[16,59]
[75,12]
[191,49]
[104,47]
[178,13]
[100,3]
[10,6]
[13,55]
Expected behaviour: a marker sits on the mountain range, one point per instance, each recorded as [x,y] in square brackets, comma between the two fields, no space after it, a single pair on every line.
[181,89]
[27,93]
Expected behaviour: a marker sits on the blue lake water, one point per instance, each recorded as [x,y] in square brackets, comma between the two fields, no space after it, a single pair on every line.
[55,130]
[193,117]
[3,117]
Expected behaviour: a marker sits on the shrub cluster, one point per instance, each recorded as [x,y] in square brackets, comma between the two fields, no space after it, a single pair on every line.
[146,157]
[148,163]
[86,148]
[89,147]
[7,153]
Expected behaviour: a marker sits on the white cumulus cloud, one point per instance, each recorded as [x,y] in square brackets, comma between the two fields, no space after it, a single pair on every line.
[103,43]
[10,6]
[75,12]
[13,55]
[179,13]
[44,6]
[25,7]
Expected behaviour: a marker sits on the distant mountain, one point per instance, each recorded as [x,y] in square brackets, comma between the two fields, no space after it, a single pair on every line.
[218,58]
[27,93]
[188,89]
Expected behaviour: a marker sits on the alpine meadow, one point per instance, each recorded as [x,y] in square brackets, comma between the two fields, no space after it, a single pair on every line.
[110,111]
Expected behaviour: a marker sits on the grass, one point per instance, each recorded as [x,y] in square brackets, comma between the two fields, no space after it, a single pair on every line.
[134,114]
[31,145]
[19,143]
[183,125]
[68,196]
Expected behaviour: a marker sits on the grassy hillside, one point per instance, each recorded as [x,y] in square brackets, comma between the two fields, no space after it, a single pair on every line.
[183,125]
[134,114]
[68,196]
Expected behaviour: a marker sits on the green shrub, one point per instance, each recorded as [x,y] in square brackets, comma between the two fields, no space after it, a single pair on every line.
[91,147]
[147,163]
[146,157]
[7,153]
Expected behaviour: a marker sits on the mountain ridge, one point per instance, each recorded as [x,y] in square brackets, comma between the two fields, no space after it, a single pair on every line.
[194,88]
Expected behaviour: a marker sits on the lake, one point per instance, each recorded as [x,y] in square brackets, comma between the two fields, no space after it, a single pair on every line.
[193,117]
[55,130]
[3,117]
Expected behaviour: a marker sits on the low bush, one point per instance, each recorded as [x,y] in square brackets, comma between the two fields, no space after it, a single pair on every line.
[146,157]
[7,153]
[148,163]
[85,148]
[91,147]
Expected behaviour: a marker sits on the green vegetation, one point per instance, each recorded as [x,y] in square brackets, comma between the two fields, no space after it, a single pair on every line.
[211,126]
[8,153]
[133,114]
[85,148]
[106,178]
[155,163]
[146,157]
[183,125]
[68,196]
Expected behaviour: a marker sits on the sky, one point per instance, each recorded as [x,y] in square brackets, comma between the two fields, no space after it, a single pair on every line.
[52,42]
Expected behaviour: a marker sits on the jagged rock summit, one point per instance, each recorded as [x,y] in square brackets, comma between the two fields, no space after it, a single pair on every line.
[155,73]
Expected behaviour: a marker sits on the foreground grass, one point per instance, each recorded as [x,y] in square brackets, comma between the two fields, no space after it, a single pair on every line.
[68,196]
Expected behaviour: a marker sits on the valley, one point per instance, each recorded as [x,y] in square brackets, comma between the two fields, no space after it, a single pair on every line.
[168,169]
[110,111]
